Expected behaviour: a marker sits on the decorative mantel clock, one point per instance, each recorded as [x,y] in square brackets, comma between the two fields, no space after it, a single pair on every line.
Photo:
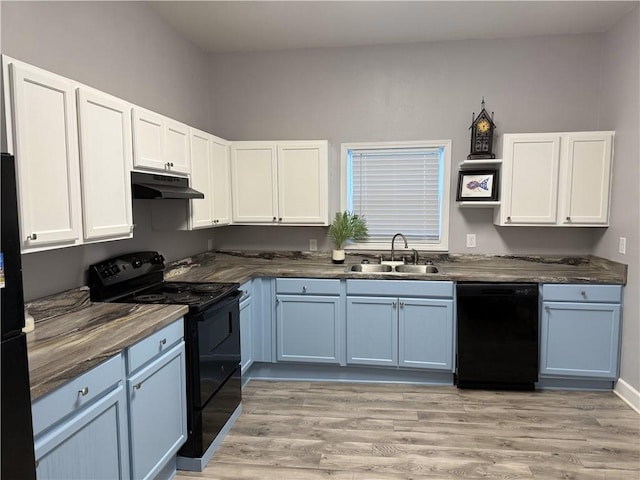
[482,128]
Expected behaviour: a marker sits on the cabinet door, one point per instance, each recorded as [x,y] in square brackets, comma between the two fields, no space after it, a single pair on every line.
[372,331]
[105,155]
[177,158]
[425,333]
[530,179]
[587,178]
[302,182]
[580,339]
[148,140]
[46,146]
[201,179]
[221,182]
[308,328]
[246,345]
[253,173]
[157,413]
[90,445]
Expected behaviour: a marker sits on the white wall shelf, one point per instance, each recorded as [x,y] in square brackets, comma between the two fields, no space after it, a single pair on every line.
[483,162]
[490,204]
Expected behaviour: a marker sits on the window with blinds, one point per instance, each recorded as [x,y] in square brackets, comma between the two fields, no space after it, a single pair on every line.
[400,190]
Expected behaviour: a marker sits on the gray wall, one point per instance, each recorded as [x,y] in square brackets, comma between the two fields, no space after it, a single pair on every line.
[411,92]
[620,100]
[125,49]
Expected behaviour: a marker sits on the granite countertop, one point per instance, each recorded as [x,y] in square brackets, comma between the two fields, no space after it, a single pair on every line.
[242,266]
[73,334]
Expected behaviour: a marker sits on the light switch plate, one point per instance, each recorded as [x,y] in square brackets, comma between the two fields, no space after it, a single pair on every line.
[313,245]
[622,247]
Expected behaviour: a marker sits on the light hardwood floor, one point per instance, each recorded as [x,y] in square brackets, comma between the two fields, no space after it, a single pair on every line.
[346,431]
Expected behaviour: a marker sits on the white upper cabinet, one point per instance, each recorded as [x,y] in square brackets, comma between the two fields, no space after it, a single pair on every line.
[105,156]
[587,176]
[254,187]
[221,181]
[177,146]
[201,179]
[302,182]
[280,183]
[556,179]
[160,143]
[44,125]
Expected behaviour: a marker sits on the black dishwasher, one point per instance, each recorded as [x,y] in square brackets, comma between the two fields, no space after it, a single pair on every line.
[497,335]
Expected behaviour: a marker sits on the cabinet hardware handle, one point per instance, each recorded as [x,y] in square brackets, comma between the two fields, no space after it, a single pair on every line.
[277,300]
[83,391]
[280,219]
[245,292]
[33,236]
[508,219]
[304,289]
[401,304]
[274,219]
[393,304]
[568,219]
[137,386]
[583,293]
[163,341]
[547,308]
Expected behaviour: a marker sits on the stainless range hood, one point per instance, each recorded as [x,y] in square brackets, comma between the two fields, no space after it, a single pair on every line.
[150,185]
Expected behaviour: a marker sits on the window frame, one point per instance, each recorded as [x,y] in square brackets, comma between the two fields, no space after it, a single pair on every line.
[423,246]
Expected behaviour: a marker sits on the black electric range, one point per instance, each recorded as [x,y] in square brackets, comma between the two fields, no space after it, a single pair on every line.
[212,341]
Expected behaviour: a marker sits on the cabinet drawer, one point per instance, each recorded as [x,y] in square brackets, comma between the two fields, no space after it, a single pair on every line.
[582,293]
[68,398]
[400,288]
[155,344]
[310,286]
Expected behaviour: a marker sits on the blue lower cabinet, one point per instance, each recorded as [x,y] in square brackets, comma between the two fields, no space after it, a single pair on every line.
[580,340]
[308,328]
[372,331]
[157,412]
[425,333]
[81,428]
[89,445]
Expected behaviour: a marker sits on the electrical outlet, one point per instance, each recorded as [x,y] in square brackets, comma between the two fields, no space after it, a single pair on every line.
[471,240]
[210,244]
[622,246]
[313,245]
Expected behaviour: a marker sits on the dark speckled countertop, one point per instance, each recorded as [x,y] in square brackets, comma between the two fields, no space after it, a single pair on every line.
[242,266]
[73,334]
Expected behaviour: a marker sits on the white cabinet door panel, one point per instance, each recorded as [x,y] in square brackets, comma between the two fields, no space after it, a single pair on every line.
[221,182]
[106,159]
[177,147]
[201,179]
[44,111]
[531,174]
[588,180]
[148,138]
[253,175]
[302,182]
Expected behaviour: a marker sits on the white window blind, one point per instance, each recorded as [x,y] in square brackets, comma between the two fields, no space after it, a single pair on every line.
[397,190]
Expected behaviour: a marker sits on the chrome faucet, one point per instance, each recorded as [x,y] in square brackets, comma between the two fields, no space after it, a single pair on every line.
[406,245]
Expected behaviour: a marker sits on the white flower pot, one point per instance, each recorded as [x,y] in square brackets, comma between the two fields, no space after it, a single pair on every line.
[337,256]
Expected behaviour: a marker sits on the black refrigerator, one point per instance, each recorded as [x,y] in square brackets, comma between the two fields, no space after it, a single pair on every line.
[18,460]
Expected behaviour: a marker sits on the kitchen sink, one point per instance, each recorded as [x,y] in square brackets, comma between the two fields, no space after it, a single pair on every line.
[416,269]
[376,268]
[370,268]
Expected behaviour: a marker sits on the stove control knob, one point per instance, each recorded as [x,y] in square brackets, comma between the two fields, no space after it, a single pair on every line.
[136,263]
[157,259]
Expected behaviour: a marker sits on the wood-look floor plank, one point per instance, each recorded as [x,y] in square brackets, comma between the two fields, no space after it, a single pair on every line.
[346,431]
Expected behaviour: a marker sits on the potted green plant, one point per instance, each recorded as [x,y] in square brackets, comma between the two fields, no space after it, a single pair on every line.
[346,226]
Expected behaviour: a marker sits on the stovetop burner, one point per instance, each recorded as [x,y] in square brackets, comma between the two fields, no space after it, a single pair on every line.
[150,298]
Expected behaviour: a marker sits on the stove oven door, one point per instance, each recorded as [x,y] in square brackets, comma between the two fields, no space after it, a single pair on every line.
[218,346]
